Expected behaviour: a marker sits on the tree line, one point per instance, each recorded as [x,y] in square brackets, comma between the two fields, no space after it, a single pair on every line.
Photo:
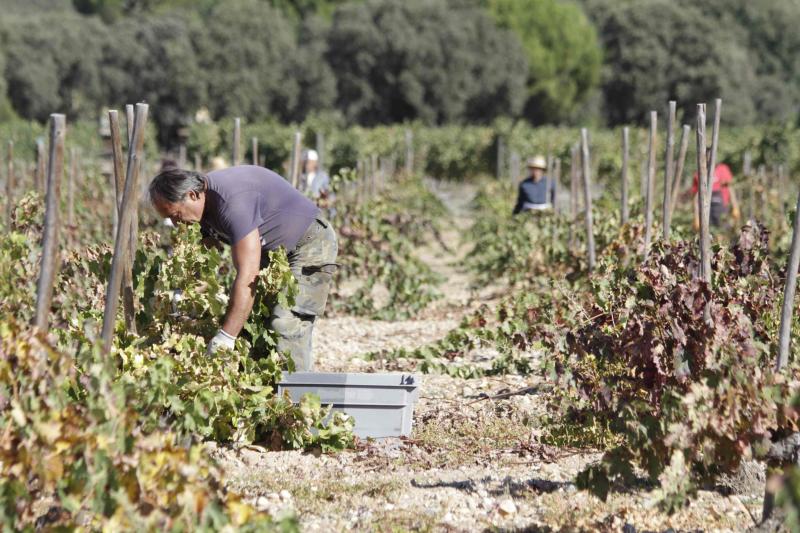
[381,62]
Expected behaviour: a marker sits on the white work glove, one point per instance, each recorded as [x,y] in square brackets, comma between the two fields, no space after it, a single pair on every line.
[221,340]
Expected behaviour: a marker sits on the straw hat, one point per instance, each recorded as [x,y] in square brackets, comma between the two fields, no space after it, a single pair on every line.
[537,162]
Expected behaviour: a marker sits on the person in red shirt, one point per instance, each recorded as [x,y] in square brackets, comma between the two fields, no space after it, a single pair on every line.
[723,198]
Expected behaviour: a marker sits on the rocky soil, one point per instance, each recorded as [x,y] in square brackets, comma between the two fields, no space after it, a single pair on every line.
[473,462]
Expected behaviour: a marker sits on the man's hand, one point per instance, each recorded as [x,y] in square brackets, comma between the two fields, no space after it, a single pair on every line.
[221,340]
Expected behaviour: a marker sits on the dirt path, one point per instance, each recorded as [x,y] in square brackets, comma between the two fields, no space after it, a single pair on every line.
[470,465]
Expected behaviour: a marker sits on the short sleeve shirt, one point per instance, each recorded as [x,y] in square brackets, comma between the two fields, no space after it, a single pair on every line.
[243,198]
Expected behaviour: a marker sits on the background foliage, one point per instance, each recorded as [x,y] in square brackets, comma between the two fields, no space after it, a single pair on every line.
[381,62]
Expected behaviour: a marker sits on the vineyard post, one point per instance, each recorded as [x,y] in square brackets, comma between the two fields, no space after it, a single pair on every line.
[254,149]
[677,182]
[573,194]
[587,197]
[784,337]
[128,304]
[294,171]
[373,177]
[356,184]
[121,244]
[712,162]
[702,192]
[409,162]
[625,154]
[129,120]
[9,184]
[320,144]
[41,165]
[236,150]
[182,156]
[747,172]
[514,166]
[116,158]
[362,181]
[501,157]
[130,115]
[669,156]
[651,176]
[198,165]
[49,263]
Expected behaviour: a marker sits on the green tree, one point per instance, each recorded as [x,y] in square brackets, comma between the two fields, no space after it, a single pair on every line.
[51,71]
[427,60]
[153,60]
[657,50]
[250,57]
[768,30]
[563,50]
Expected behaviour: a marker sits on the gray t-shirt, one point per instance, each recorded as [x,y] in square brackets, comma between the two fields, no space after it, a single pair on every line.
[242,198]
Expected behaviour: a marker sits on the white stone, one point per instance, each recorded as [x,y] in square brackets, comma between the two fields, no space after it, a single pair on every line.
[507,507]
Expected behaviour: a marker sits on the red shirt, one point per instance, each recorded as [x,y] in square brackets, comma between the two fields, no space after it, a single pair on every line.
[723,177]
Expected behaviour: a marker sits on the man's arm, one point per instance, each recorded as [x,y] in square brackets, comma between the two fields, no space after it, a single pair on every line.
[246,259]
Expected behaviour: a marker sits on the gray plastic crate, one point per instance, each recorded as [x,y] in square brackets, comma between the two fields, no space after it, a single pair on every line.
[382,405]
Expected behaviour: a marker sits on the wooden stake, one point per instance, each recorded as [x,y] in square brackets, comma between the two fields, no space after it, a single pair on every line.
[677,184]
[254,150]
[320,144]
[712,162]
[573,193]
[236,156]
[587,198]
[703,191]
[198,165]
[129,120]
[116,158]
[49,263]
[669,171]
[9,184]
[182,156]
[121,244]
[651,176]
[785,333]
[294,171]
[514,166]
[625,154]
[501,157]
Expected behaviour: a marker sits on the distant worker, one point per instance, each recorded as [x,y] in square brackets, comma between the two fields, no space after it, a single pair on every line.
[536,192]
[723,198]
[254,210]
[316,182]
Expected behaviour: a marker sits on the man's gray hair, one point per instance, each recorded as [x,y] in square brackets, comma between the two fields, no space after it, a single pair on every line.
[173,184]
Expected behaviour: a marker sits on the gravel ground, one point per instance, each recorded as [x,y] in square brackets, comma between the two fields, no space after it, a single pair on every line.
[472,462]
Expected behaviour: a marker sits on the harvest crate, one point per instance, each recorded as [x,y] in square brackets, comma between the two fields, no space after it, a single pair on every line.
[382,405]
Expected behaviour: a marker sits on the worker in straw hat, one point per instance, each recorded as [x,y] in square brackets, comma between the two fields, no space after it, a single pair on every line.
[536,192]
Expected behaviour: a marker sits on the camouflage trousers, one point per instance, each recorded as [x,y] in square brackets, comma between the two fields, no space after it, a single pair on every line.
[313,263]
